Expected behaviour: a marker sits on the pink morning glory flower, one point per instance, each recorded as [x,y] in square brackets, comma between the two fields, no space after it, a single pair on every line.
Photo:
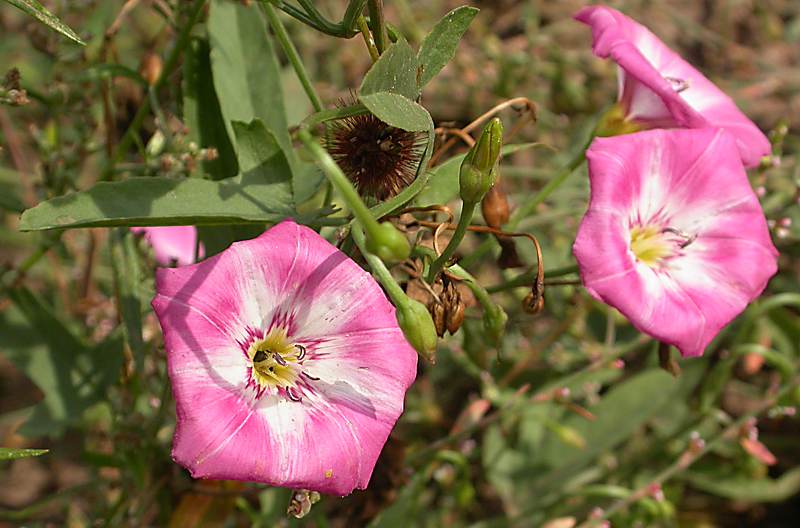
[286,361]
[658,89]
[172,244]
[674,237]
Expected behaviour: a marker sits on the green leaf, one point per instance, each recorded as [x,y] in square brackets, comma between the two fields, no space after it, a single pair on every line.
[394,72]
[128,276]
[247,77]
[397,111]
[405,507]
[216,239]
[390,87]
[38,11]
[202,113]
[443,183]
[7,453]
[260,194]
[440,45]
[72,374]
[621,411]
[747,489]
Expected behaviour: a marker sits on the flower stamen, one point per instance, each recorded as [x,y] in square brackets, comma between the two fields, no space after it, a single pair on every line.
[292,396]
[685,238]
[276,362]
[653,244]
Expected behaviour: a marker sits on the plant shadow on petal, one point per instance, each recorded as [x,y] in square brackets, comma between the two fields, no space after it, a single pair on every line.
[287,310]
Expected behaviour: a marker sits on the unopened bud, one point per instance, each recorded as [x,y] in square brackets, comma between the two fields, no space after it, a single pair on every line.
[479,169]
[418,328]
[150,68]
[389,244]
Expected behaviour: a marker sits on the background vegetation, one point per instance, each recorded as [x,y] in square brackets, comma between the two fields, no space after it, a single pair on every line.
[569,419]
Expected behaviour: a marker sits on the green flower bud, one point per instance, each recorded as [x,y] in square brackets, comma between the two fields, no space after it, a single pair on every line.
[479,169]
[418,328]
[615,123]
[389,244]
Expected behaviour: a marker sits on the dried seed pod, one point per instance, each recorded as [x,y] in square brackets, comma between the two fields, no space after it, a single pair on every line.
[455,317]
[495,207]
[439,315]
[533,303]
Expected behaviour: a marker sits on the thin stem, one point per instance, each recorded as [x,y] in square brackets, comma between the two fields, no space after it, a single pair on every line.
[529,207]
[291,53]
[314,14]
[525,279]
[377,22]
[354,10]
[361,22]
[340,182]
[467,210]
[298,15]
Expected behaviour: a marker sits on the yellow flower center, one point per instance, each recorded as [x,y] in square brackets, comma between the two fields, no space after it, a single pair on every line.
[650,245]
[276,361]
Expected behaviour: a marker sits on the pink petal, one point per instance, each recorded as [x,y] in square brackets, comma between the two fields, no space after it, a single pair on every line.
[172,244]
[650,97]
[289,276]
[693,181]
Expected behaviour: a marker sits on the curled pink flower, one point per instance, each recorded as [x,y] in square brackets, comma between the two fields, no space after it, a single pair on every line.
[286,361]
[172,244]
[658,89]
[674,237]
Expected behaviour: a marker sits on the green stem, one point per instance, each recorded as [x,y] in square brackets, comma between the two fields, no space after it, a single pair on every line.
[467,210]
[340,182]
[361,22]
[480,293]
[354,10]
[379,269]
[298,15]
[377,22]
[169,66]
[291,53]
[529,207]
[526,278]
[310,16]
